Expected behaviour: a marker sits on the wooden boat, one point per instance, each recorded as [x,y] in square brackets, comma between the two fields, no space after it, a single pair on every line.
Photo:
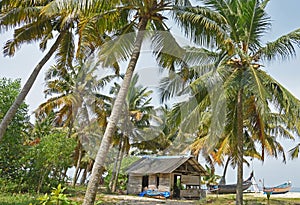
[230,188]
[280,189]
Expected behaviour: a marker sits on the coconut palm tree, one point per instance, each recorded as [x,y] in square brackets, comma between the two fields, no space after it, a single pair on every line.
[32,26]
[136,128]
[234,72]
[40,21]
[74,89]
[143,15]
[252,138]
[162,133]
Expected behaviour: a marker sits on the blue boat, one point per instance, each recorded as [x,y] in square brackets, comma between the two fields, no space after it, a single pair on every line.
[280,189]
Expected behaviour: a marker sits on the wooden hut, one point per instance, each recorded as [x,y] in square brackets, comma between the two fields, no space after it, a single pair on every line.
[179,175]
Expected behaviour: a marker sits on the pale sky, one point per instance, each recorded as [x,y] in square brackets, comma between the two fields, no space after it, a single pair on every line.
[285,16]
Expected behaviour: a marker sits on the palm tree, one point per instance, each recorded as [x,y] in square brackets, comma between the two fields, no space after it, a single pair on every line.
[145,15]
[161,134]
[236,69]
[252,138]
[33,26]
[74,89]
[41,21]
[134,125]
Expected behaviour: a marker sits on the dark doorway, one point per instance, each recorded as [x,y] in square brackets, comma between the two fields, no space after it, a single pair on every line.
[177,185]
[145,182]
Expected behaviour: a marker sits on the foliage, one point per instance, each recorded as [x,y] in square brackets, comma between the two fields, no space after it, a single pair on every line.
[294,152]
[48,160]
[249,109]
[136,123]
[211,178]
[39,161]
[72,102]
[11,148]
[57,197]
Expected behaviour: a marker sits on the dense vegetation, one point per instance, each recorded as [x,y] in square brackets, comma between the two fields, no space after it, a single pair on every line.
[33,158]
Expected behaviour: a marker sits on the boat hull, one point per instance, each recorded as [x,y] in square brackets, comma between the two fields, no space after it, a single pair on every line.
[281,189]
[229,189]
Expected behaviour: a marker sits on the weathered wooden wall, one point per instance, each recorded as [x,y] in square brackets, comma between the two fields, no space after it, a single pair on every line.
[192,193]
[134,185]
[190,180]
[164,182]
[152,182]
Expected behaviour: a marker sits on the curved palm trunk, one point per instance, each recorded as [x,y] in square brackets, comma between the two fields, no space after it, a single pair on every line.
[119,163]
[113,174]
[239,188]
[87,171]
[223,180]
[83,177]
[20,98]
[76,175]
[91,191]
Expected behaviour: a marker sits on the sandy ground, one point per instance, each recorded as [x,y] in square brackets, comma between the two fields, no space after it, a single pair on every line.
[145,200]
[135,200]
[292,195]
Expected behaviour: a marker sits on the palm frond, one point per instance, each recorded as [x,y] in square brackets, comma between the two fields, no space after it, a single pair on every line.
[283,100]
[255,23]
[66,51]
[26,34]
[14,16]
[201,24]
[171,86]
[282,48]
[117,49]
[294,152]
[167,51]
[200,56]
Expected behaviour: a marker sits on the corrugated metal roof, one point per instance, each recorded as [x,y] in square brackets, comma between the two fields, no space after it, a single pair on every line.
[162,164]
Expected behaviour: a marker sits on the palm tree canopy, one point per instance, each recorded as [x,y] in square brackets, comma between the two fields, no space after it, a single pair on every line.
[234,88]
[237,57]
[234,59]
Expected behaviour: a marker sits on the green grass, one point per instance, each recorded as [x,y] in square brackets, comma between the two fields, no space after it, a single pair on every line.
[16,199]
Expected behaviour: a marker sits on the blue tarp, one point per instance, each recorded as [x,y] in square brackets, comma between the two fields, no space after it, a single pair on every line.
[165,194]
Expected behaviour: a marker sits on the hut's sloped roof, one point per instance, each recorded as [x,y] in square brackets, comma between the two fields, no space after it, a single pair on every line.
[163,164]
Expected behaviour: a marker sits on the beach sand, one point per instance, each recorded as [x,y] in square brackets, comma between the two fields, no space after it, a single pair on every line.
[291,195]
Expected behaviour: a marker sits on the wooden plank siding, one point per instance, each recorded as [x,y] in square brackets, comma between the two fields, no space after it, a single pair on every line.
[134,185]
[152,182]
[164,182]
[190,180]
